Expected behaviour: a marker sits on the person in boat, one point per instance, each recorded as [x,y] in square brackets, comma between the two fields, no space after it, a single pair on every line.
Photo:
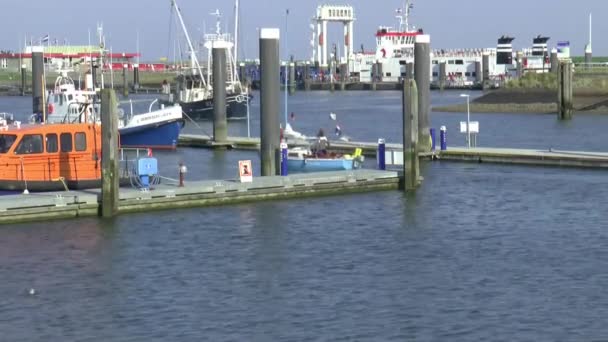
[320,147]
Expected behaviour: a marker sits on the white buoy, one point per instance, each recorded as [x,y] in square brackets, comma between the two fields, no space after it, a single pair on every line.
[32,292]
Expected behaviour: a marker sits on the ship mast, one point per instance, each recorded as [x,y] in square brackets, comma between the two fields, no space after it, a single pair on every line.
[404,14]
[192,51]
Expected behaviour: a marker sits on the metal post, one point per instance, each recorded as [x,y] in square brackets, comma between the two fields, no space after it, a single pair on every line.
[432,139]
[37,77]
[411,167]
[284,154]
[380,154]
[443,138]
[269,99]
[220,124]
[422,75]
[109,162]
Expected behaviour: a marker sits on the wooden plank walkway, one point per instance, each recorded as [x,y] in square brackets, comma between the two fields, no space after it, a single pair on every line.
[551,157]
[69,204]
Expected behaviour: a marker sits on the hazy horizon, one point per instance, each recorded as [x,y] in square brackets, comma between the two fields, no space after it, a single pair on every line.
[451,24]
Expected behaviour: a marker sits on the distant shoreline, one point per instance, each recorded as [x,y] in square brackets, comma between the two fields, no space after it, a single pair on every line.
[539,101]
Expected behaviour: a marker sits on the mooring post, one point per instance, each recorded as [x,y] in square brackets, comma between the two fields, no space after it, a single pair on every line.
[94,76]
[519,57]
[135,77]
[243,74]
[292,78]
[422,75]
[374,75]
[125,81]
[109,156]
[307,76]
[343,76]
[331,73]
[554,62]
[269,100]
[411,168]
[220,124]
[442,75]
[37,75]
[409,71]
[485,66]
[23,78]
[478,73]
[564,91]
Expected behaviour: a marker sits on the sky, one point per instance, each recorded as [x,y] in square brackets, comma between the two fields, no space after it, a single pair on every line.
[451,24]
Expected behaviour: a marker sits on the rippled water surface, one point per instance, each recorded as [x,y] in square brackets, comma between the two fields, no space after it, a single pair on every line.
[480,252]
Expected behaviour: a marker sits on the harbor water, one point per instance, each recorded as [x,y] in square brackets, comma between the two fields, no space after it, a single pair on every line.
[480,252]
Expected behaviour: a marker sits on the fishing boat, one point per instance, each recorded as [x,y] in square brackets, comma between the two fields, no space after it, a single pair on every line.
[194,92]
[157,128]
[303,160]
[50,157]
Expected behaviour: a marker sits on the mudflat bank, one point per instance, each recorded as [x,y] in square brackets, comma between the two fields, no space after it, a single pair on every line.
[530,101]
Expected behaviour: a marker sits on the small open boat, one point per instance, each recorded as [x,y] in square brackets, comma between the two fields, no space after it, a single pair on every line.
[303,160]
[50,156]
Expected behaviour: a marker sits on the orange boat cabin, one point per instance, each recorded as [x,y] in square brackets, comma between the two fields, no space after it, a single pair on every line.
[50,157]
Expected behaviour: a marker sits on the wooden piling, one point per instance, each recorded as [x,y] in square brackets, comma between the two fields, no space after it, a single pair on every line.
[37,77]
[135,77]
[109,161]
[409,71]
[554,61]
[374,75]
[422,75]
[485,65]
[442,75]
[478,73]
[307,76]
[411,167]
[564,90]
[23,79]
[269,100]
[292,78]
[220,123]
[125,81]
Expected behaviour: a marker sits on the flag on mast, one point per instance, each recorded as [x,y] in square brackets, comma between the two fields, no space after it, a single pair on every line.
[45,39]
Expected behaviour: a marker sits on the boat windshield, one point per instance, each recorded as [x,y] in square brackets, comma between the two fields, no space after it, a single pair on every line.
[6,141]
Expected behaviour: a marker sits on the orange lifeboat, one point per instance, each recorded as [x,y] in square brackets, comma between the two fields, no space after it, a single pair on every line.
[50,157]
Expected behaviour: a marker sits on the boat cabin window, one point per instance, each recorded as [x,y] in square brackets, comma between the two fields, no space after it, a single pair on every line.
[80,141]
[51,143]
[70,97]
[6,142]
[66,142]
[30,143]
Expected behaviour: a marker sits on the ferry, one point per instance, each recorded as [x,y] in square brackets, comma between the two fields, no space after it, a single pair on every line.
[50,157]
[395,49]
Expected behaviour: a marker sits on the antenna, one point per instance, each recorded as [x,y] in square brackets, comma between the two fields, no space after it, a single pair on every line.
[590,30]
